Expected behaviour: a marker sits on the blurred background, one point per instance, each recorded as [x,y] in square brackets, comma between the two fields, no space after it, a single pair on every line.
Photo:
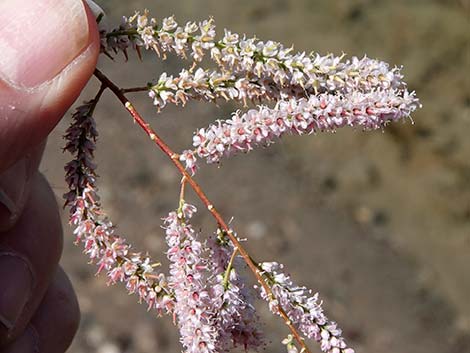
[377,222]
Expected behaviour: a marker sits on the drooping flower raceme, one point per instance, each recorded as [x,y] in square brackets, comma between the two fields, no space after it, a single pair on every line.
[303,308]
[108,250]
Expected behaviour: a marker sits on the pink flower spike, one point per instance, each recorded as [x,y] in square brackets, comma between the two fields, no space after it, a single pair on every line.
[193,306]
[92,228]
[303,309]
[325,112]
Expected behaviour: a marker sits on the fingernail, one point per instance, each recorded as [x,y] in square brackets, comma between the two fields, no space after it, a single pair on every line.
[95,8]
[39,38]
[16,283]
[27,343]
[13,195]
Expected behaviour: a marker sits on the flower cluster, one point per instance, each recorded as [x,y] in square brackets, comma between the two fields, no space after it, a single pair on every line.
[213,310]
[313,92]
[237,319]
[194,308]
[251,57]
[323,112]
[303,308]
[211,302]
[92,228]
[209,86]
[204,290]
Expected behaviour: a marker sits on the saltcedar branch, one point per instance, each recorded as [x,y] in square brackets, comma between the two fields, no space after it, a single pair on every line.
[197,189]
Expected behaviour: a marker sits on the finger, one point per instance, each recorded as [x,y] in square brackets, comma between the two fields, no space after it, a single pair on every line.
[55,322]
[29,254]
[15,183]
[58,317]
[49,49]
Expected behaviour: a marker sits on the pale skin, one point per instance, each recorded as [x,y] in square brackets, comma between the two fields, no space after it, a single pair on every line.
[49,50]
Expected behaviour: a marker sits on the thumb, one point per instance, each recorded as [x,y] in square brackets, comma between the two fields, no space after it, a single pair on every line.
[48,51]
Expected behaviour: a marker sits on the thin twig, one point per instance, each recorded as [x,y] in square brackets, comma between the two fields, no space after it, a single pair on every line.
[181,201]
[229,268]
[183,188]
[202,196]
[135,89]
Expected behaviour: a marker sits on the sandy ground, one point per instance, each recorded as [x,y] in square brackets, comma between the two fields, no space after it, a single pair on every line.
[377,222]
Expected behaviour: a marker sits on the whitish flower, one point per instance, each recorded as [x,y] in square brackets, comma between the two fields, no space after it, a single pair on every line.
[189,159]
[230,38]
[207,36]
[290,344]
[169,24]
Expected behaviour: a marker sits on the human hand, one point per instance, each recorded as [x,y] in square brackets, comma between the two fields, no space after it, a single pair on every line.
[48,51]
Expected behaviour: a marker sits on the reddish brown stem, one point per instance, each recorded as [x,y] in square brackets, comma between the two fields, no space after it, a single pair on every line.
[197,189]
